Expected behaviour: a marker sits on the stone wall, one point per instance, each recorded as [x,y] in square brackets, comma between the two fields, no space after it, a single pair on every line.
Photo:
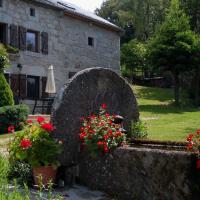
[68,42]
[143,174]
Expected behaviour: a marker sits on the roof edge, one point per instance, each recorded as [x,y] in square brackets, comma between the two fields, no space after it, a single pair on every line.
[111,27]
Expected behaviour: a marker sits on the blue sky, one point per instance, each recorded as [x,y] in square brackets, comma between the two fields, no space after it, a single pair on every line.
[90,5]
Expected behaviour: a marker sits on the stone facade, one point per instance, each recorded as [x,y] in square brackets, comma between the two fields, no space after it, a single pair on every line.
[143,174]
[68,49]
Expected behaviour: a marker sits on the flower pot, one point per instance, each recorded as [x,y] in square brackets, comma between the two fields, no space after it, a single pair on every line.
[44,175]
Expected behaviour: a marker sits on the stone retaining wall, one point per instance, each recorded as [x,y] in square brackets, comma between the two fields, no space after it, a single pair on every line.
[143,174]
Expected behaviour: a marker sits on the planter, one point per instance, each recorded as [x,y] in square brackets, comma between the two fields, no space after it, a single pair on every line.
[48,174]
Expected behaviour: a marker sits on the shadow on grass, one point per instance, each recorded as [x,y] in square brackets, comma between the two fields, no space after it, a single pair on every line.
[159,94]
[166,109]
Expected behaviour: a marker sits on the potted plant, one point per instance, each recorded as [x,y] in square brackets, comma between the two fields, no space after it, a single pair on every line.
[99,134]
[35,146]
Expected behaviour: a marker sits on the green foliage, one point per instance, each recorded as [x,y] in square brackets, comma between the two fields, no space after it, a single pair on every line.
[11,49]
[20,171]
[6,94]
[4,61]
[138,130]
[139,18]
[13,115]
[34,145]
[4,169]
[173,47]
[133,56]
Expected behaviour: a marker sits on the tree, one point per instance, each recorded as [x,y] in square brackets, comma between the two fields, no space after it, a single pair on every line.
[173,47]
[139,18]
[6,95]
[133,56]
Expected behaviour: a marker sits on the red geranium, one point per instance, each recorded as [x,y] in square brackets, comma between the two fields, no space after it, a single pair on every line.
[104,106]
[40,120]
[194,145]
[29,121]
[48,127]
[99,134]
[25,143]
[11,129]
[198,164]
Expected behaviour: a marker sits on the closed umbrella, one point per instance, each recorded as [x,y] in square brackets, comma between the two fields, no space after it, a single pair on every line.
[50,86]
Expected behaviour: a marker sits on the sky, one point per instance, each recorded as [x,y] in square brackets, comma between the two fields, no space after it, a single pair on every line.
[90,5]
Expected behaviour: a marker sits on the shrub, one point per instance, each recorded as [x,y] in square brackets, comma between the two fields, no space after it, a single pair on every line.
[138,130]
[14,116]
[6,94]
[20,171]
[4,61]
[99,134]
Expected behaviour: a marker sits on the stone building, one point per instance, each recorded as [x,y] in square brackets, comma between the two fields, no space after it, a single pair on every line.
[54,32]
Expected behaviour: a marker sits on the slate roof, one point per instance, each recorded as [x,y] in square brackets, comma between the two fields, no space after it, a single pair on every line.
[74,10]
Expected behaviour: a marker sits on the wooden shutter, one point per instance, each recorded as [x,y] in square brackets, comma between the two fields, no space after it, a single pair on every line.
[44,42]
[22,38]
[44,82]
[23,86]
[15,84]
[14,39]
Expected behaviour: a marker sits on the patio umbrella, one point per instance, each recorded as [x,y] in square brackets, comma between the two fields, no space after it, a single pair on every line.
[50,86]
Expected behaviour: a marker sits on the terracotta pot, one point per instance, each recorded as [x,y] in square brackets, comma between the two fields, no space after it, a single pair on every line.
[47,173]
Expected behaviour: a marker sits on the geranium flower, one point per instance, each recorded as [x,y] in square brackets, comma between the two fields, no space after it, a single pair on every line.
[11,129]
[29,121]
[198,164]
[104,106]
[25,143]
[48,127]
[40,120]
[82,136]
[106,149]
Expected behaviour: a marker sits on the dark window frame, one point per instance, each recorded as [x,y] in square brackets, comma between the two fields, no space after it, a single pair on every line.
[32,12]
[36,49]
[4,33]
[36,93]
[91,41]
[1,3]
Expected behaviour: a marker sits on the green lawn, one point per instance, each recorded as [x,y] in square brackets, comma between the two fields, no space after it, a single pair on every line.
[165,121]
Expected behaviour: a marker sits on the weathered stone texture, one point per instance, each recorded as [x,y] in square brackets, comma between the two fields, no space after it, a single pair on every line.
[68,41]
[83,95]
[143,174]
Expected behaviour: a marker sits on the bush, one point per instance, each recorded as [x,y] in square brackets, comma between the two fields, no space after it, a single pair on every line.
[138,130]
[6,94]
[4,61]
[20,171]
[13,115]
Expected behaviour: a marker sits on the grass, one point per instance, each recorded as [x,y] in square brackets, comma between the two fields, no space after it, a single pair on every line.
[163,119]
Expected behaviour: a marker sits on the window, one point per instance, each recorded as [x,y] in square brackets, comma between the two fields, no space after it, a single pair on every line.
[32,41]
[91,41]
[33,87]
[3,33]
[1,3]
[32,12]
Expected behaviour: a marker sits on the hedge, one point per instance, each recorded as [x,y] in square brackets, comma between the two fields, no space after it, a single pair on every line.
[13,115]
[6,94]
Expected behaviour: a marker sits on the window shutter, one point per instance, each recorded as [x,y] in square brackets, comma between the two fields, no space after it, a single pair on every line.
[22,38]
[44,42]
[23,86]
[44,82]
[14,84]
[14,36]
